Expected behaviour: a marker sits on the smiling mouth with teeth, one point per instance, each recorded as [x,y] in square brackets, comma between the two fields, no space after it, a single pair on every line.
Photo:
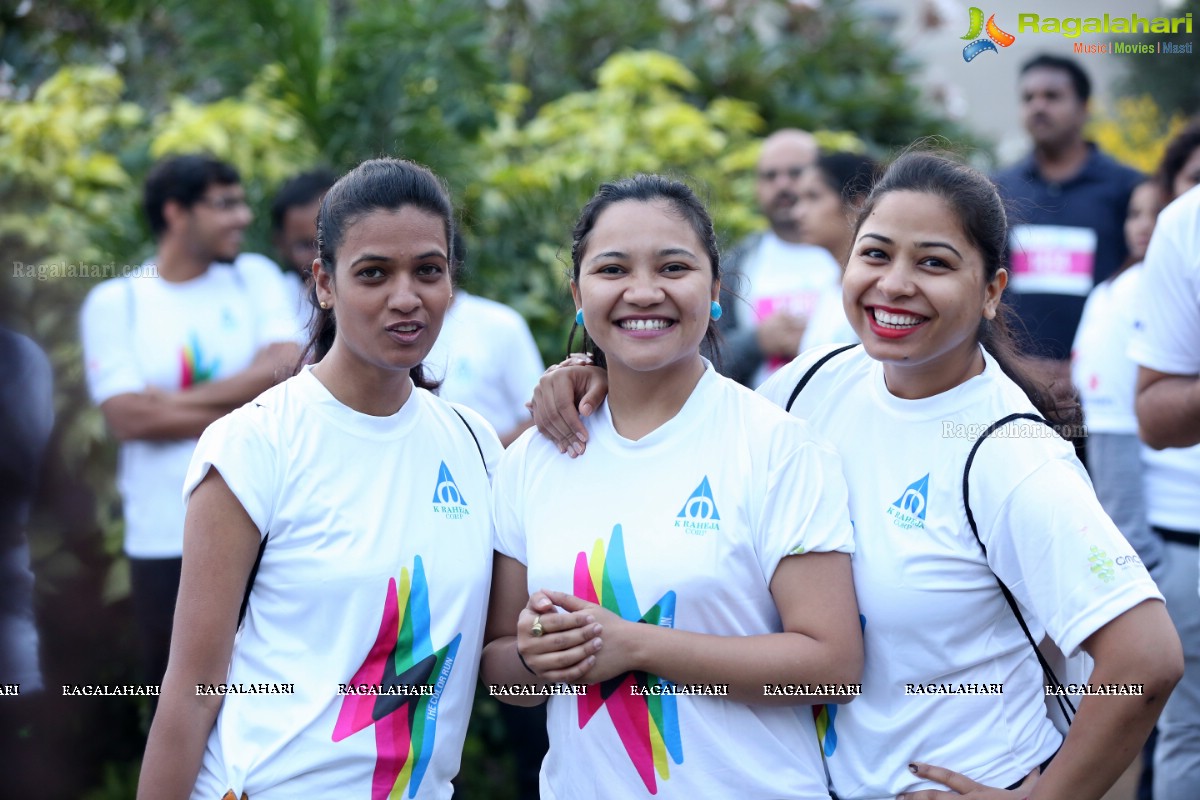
[404,328]
[896,321]
[645,324]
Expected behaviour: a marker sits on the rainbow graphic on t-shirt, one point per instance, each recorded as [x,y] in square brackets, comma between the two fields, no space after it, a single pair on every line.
[647,726]
[824,716]
[403,655]
[192,369]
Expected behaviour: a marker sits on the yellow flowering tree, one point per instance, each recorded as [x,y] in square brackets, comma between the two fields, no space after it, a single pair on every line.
[1135,131]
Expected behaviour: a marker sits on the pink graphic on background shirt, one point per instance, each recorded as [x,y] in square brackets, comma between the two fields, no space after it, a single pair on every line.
[1053,262]
[801,304]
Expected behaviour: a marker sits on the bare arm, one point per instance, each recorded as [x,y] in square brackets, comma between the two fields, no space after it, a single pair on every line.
[821,642]
[561,655]
[1138,647]
[220,544]
[156,417]
[1168,409]
[162,416]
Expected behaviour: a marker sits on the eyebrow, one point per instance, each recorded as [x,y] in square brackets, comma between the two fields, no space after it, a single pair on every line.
[886,240]
[388,260]
[666,251]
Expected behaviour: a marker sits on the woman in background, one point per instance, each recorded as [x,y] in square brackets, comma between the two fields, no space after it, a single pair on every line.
[831,192]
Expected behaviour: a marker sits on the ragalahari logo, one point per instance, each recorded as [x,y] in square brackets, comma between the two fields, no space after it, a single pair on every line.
[995,36]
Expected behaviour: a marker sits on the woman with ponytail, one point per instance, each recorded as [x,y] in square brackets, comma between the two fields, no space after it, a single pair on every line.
[948,520]
[338,540]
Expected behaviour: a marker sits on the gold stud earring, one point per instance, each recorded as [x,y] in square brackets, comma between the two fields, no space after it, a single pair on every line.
[324,305]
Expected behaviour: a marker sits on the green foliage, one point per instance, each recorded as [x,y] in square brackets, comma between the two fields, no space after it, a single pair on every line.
[807,65]
[1169,80]
[521,104]
[535,177]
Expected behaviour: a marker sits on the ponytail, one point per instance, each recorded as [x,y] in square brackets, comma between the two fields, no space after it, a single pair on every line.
[1058,404]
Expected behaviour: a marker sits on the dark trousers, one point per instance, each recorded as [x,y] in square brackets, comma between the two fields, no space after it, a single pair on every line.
[155,584]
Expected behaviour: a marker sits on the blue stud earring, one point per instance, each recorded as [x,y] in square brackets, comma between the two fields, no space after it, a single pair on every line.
[579,317]
[716,311]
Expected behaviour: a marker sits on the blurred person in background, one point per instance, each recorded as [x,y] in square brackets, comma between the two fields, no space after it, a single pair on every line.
[201,330]
[294,234]
[1105,378]
[773,279]
[485,358]
[1166,348]
[1067,201]
[825,212]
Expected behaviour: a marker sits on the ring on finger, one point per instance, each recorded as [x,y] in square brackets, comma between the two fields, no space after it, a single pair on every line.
[537,630]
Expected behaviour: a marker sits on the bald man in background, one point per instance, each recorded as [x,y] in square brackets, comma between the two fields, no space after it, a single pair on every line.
[771,280]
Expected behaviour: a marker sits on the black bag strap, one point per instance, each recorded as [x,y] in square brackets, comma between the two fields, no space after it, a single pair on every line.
[250,580]
[813,371]
[263,546]
[473,436]
[1051,678]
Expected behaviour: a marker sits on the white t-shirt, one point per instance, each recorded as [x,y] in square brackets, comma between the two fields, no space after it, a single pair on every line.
[1169,341]
[487,360]
[302,309]
[786,276]
[1104,375]
[683,528]
[932,612]
[828,324]
[146,332]
[376,573]
[1107,381]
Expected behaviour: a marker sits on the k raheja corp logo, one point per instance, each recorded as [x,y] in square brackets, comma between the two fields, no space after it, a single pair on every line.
[699,512]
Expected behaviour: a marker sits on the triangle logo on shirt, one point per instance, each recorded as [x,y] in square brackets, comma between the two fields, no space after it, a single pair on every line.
[448,499]
[699,512]
[908,511]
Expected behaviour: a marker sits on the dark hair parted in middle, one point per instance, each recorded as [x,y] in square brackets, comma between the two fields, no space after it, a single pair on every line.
[979,212]
[646,188]
[387,184]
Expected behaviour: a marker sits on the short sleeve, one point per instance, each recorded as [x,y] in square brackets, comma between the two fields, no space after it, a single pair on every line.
[806,504]
[110,362]
[241,447]
[1053,546]
[508,492]
[1169,314]
[273,300]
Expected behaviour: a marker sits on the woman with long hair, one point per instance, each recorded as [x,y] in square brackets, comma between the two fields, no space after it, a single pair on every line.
[699,554]
[338,540]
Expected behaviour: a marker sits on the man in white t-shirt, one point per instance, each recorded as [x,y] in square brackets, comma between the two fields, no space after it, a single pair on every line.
[1168,409]
[198,332]
[486,358]
[294,234]
[772,281]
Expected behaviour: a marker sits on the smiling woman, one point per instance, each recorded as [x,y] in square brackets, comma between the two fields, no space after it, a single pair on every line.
[674,520]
